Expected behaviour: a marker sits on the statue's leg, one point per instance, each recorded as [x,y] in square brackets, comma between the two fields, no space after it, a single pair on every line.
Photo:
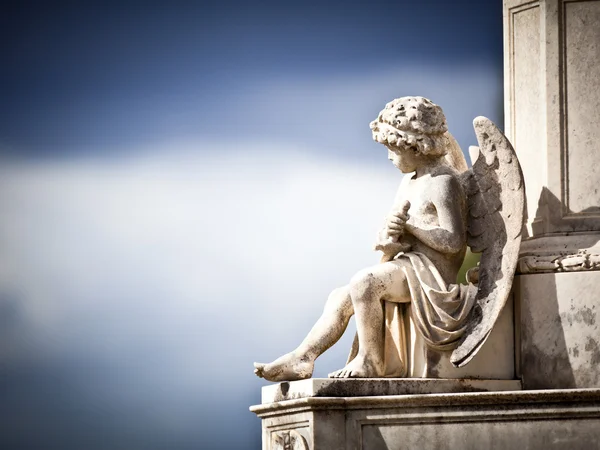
[299,363]
[331,325]
[368,289]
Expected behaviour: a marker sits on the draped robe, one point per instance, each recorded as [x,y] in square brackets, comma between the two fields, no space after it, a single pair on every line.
[439,313]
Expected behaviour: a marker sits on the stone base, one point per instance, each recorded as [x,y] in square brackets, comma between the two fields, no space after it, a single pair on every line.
[332,387]
[553,419]
[559,329]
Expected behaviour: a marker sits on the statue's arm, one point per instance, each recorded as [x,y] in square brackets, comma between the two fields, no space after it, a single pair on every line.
[449,236]
[385,233]
[388,238]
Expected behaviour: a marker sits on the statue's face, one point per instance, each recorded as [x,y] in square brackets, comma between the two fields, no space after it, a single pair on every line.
[405,159]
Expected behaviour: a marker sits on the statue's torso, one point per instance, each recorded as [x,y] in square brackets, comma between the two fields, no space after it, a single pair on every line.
[423,213]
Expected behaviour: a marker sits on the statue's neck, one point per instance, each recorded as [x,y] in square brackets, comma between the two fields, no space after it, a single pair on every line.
[429,165]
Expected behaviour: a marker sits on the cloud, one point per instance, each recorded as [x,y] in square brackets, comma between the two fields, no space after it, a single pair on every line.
[157,280]
[137,289]
[262,225]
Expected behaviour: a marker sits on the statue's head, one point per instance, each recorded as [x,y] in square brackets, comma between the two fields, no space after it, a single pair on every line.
[412,125]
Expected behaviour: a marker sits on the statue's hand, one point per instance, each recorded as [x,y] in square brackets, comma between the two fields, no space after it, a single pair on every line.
[391,248]
[388,246]
[395,224]
[388,240]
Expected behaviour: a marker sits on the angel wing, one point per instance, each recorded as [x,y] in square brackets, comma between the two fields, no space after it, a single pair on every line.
[496,198]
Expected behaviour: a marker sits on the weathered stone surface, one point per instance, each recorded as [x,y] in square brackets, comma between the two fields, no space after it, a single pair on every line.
[573,253]
[552,93]
[560,330]
[530,420]
[441,207]
[370,387]
[494,360]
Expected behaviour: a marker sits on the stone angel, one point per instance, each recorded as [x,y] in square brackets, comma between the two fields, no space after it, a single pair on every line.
[441,207]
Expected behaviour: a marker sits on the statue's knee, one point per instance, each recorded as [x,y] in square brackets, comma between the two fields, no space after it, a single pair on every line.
[336,298]
[337,293]
[362,284]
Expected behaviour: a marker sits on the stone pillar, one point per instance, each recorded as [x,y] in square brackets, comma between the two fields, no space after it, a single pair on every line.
[552,107]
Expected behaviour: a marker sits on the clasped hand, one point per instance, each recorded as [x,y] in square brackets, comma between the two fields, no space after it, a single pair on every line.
[388,240]
[394,225]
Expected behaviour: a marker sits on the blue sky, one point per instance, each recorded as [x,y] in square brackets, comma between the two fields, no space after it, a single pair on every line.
[181,186]
[85,77]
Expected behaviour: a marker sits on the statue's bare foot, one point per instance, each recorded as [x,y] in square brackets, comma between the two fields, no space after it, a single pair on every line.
[359,367]
[289,367]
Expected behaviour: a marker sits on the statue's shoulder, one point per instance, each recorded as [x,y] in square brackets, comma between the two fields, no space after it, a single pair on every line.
[445,172]
[446,181]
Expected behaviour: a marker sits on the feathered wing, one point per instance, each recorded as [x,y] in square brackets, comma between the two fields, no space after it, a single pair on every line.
[496,199]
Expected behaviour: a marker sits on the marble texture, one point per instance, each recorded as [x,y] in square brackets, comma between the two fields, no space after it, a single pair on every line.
[552,93]
[534,420]
[441,207]
[494,360]
[328,387]
[559,320]
[577,252]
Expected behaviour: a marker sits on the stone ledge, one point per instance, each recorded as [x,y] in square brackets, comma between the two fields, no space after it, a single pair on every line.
[585,401]
[374,387]
[562,418]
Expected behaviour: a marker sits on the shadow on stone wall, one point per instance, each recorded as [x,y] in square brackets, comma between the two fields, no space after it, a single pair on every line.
[539,367]
[550,213]
[544,358]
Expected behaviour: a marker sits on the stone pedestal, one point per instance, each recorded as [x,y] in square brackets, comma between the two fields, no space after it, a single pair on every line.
[555,419]
[552,107]
[560,335]
[372,387]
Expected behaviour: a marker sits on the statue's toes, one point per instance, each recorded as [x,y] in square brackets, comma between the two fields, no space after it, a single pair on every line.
[259,369]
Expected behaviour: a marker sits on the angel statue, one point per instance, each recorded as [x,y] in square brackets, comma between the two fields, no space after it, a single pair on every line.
[441,207]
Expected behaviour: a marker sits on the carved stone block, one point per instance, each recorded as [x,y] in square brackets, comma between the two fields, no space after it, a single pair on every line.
[534,420]
[559,328]
[552,93]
